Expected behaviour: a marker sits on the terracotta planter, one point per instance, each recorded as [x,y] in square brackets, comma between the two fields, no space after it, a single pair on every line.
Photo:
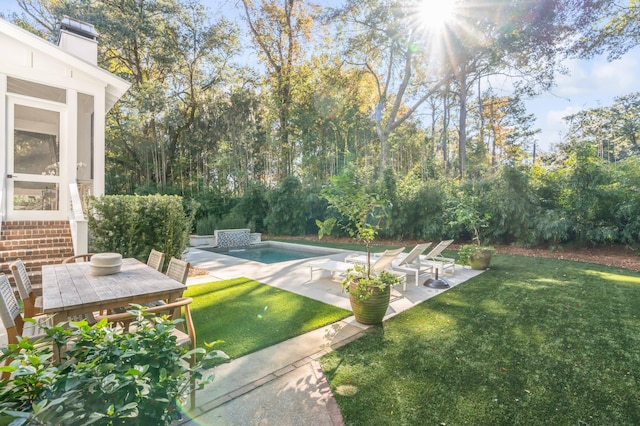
[481,259]
[371,310]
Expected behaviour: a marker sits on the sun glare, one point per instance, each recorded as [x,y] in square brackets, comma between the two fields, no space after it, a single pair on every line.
[435,13]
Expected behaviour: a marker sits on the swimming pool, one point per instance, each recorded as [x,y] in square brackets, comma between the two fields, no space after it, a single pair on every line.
[273,252]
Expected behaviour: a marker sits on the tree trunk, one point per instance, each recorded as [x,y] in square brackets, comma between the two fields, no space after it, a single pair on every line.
[384,151]
[462,143]
[445,129]
[480,112]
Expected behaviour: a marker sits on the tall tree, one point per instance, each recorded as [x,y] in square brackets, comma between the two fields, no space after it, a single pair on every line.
[615,30]
[278,28]
[522,39]
[613,132]
[509,129]
[330,116]
[385,41]
[203,51]
[174,56]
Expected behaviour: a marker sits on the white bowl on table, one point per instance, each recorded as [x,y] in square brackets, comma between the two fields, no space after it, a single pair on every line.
[105,263]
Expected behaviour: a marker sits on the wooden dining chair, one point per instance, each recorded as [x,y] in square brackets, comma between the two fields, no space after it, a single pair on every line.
[172,310]
[32,304]
[178,270]
[80,257]
[14,324]
[156,260]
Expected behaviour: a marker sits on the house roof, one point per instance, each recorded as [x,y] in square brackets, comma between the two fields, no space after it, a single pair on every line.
[115,86]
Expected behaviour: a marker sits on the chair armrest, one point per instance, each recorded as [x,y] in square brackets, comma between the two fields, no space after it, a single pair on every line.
[183,301]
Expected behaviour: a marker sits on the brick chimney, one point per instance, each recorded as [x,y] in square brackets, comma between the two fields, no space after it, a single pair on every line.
[79,39]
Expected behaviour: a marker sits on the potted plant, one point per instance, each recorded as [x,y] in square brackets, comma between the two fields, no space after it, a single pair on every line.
[467,214]
[369,293]
[476,256]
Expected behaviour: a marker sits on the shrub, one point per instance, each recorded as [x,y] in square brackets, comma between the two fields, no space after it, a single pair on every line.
[213,203]
[287,212]
[628,210]
[554,227]
[232,221]
[207,225]
[252,208]
[315,209]
[511,205]
[628,215]
[418,212]
[107,376]
[132,225]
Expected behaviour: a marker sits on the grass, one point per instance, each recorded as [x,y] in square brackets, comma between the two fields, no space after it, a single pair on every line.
[249,316]
[531,341]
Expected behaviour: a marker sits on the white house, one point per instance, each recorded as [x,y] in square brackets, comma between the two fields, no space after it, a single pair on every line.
[52,127]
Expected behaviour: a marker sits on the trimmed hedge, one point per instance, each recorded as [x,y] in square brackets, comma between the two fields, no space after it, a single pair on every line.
[132,225]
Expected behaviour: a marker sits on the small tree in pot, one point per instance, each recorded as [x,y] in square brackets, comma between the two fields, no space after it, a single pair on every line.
[361,215]
[468,215]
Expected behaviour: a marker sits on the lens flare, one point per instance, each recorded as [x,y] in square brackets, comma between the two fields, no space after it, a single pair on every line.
[260,315]
[436,13]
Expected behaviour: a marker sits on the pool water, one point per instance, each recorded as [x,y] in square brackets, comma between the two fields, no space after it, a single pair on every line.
[268,254]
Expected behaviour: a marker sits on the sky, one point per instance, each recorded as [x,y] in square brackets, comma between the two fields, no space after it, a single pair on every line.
[590,84]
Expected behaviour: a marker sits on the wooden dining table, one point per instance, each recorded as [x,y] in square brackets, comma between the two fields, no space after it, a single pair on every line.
[70,289]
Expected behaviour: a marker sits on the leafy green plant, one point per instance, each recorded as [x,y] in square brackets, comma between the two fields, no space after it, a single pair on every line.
[107,376]
[32,373]
[206,225]
[233,220]
[365,283]
[252,208]
[287,208]
[132,225]
[470,251]
[418,209]
[468,215]
[362,213]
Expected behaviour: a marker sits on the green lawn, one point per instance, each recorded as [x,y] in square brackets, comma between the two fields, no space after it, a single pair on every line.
[529,342]
[249,316]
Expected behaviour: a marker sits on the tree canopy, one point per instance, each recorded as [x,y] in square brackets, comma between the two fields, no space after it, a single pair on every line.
[299,91]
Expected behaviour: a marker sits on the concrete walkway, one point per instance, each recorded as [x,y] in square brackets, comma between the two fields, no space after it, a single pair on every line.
[284,384]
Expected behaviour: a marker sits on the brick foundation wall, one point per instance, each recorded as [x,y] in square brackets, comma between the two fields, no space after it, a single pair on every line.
[37,243]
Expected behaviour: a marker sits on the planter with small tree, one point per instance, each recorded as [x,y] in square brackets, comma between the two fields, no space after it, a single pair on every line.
[475,255]
[360,216]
